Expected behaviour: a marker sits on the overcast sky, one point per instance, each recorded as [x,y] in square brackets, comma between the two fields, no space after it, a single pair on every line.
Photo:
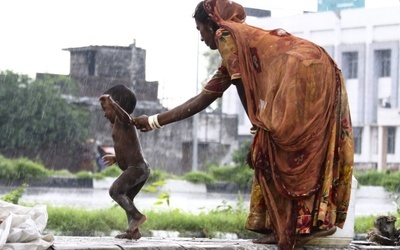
[34,32]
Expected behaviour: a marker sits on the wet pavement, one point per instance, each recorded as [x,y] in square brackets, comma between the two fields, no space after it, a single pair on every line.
[372,200]
[154,243]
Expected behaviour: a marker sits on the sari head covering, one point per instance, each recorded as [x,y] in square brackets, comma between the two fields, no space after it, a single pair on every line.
[225,10]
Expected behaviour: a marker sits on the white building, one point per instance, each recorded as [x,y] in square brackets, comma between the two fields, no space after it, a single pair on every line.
[365,44]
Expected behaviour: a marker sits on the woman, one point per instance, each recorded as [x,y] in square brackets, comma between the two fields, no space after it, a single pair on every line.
[294,95]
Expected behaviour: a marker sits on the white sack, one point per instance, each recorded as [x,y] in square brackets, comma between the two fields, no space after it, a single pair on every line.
[22,227]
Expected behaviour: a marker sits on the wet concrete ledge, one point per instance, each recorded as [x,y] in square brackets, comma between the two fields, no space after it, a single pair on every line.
[157,243]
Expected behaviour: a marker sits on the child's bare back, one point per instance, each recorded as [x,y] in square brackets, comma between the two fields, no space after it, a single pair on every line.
[128,155]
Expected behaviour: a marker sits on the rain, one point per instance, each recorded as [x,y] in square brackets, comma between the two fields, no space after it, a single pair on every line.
[56,61]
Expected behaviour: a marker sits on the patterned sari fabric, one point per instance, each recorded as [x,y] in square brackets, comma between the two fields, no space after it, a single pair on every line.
[302,153]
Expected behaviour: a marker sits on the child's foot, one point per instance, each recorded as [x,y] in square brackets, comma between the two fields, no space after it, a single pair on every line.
[134,224]
[135,235]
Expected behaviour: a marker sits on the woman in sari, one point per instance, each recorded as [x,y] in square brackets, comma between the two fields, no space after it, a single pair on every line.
[295,97]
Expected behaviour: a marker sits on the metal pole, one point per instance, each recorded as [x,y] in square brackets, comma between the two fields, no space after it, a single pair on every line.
[196,116]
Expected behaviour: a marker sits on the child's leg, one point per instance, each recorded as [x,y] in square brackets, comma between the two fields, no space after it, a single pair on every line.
[125,188]
[136,218]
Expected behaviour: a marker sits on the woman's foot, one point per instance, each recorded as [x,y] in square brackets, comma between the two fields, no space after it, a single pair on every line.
[302,240]
[266,239]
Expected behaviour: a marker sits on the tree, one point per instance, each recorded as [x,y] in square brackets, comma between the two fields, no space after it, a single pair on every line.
[34,117]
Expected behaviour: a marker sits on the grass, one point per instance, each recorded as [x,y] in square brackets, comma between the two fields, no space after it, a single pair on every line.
[363,223]
[82,222]
[68,221]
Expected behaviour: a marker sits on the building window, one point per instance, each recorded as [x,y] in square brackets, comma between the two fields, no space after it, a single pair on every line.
[391,140]
[350,65]
[91,61]
[383,62]
[357,134]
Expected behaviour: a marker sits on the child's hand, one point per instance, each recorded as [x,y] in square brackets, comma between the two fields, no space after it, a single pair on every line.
[106,99]
[109,160]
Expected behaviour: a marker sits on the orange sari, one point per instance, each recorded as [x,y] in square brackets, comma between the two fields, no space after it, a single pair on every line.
[302,153]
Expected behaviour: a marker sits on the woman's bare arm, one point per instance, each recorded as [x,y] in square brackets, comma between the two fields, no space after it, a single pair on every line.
[191,107]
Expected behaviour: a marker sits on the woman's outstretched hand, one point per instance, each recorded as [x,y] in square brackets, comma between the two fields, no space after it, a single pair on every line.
[142,123]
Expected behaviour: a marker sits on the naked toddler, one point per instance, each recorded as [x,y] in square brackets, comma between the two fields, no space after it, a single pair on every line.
[118,103]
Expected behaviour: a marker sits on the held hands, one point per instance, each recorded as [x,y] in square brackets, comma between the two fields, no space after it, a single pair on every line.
[142,123]
[146,123]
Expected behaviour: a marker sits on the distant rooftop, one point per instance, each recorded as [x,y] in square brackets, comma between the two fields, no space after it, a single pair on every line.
[257,12]
[96,47]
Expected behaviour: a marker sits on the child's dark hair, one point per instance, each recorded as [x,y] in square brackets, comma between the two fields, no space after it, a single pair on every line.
[124,96]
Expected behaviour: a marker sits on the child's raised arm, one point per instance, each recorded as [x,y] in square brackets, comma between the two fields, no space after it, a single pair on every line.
[122,115]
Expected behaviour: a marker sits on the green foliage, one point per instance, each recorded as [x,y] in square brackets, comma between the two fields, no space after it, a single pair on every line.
[157,175]
[240,173]
[70,221]
[392,182]
[15,195]
[61,173]
[84,175]
[35,115]
[389,180]
[198,177]
[239,156]
[63,84]
[363,224]
[21,169]
[163,198]
[111,171]
[370,178]
[223,173]
[152,187]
